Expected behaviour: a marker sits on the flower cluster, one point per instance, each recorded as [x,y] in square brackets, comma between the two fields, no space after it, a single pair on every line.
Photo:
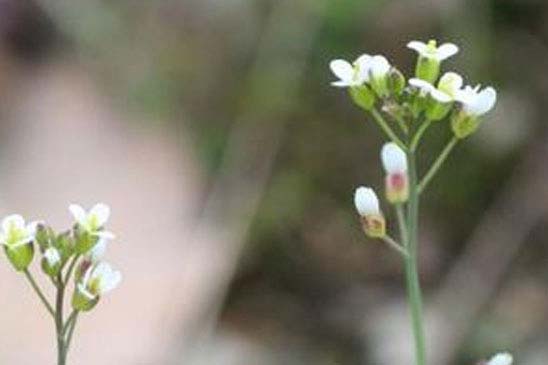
[373,80]
[81,247]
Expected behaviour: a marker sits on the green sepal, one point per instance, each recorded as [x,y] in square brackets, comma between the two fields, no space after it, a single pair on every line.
[20,257]
[464,124]
[437,111]
[49,270]
[84,241]
[427,69]
[65,245]
[362,96]
[82,303]
[396,81]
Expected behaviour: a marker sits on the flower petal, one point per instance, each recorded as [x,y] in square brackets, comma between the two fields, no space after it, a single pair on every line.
[99,250]
[503,358]
[366,201]
[14,220]
[446,50]
[418,46]
[485,101]
[102,212]
[78,213]
[342,69]
[440,96]
[421,84]
[393,158]
[379,66]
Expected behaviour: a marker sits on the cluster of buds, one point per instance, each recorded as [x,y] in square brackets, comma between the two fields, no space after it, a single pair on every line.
[372,80]
[394,161]
[60,252]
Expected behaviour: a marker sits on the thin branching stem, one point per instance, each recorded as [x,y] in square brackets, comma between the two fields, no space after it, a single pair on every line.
[39,292]
[386,128]
[437,164]
[392,243]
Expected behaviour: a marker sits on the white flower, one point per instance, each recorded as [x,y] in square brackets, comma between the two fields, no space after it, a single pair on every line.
[366,201]
[99,280]
[503,358]
[476,102]
[450,83]
[430,49]
[52,256]
[349,75]
[98,251]
[14,231]
[393,159]
[427,88]
[94,220]
[378,66]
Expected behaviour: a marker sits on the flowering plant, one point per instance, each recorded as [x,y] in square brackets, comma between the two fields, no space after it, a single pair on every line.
[404,110]
[70,257]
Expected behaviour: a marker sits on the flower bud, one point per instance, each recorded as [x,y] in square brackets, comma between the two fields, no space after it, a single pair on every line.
[83,240]
[372,219]
[362,96]
[430,57]
[51,262]
[464,124]
[396,81]
[394,161]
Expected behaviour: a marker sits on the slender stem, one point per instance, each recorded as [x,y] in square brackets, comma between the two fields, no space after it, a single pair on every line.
[39,292]
[395,245]
[59,321]
[402,224]
[411,263]
[401,123]
[437,164]
[70,269]
[69,320]
[386,128]
[71,332]
[418,135]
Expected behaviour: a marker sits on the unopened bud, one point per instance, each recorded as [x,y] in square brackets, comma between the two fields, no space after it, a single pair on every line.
[372,219]
[363,96]
[464,124]
[396,81]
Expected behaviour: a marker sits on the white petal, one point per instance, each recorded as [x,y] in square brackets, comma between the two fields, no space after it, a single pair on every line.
[364,64]
[342,83]
[14,220]
[446,50]
[342,69]
[421,84]
[52,256]
[99,250]
[379,66]
[111,282]
[501,359]
[78,213]
[32,226]
[104,234]
[366,201]
[485,101]
[102,212]
[393,158]
[450,83]
[440,96]
[418,46]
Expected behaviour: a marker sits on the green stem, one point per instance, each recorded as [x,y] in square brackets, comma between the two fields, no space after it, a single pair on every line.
[395,245]
[411,263]
[386,129]
[70,269]
[59,322]
[71,332]
[41,295]
[418,135]
[437,164]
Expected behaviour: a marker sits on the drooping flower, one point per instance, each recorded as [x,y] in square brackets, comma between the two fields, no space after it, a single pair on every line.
[503,358]
[17,237]
[367,205]
[394,161]
[476,102]
[98,280]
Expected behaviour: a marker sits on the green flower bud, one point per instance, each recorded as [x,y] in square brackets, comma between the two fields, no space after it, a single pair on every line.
[396,81]
[82,303]
[436,110]
[427,69]
[20,256]
[464,124]
[65,244]
[83,240]
[362,96]
[51,262]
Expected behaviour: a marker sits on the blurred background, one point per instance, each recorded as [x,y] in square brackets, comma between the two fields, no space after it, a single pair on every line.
[229,162]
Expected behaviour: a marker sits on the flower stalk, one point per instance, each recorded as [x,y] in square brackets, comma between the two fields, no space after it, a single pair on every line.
[377,86]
